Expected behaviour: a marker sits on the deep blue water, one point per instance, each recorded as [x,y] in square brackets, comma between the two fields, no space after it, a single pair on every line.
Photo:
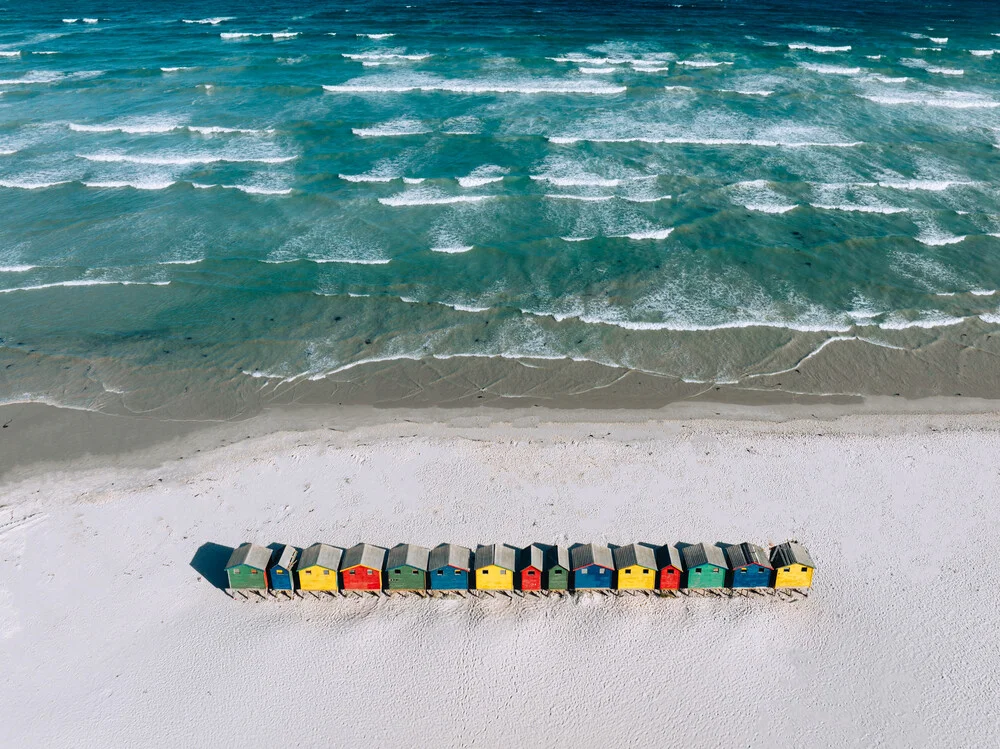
[211,196]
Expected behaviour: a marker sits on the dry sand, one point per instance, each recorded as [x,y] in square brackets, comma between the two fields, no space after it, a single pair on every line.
[110,637]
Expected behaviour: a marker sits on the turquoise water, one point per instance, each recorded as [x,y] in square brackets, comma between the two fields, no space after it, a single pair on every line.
[213,200]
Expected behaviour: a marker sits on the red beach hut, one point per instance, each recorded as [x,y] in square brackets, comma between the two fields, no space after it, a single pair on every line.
[668,559]
[530,566]
[362,566]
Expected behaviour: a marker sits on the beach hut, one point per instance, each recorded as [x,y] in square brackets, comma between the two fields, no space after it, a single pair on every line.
[362,567]
[495,567]
[557,568]
[449,566]
[593,566]
[318,567]
[793,567]
[636,567]
[704,565]
[281,574]
[668,559]
[530,567]
[749,566]
[247,567]
[406,568]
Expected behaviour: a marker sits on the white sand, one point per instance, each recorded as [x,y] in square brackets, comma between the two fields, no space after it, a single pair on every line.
[108,637]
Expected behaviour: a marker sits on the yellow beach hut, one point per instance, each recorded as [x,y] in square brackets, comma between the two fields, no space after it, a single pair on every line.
[636,565]
[793,567]
[495,567]
[318,567]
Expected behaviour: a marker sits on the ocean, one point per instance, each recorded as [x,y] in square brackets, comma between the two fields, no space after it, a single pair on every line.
[207,208]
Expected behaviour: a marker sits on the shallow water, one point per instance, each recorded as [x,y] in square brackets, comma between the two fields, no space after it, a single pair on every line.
[198,207]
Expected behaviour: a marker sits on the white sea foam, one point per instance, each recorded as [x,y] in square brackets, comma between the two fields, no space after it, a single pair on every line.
[465,307]
[471,181]
[912,62]
[21,185]
[745,92]
[195,261]
[375,36]
[887,79]
[933,320]
[983,292]
[883,209]
[90,20]
[452,250]
[934,237]
[575,239]
[377,56]
[413,180]
[85,282]
[596,71]
[70,20]
[577,181]
[990,317]
[819,47]
[411,200]
[177,69]
[33,77]
[702,63]
[366,178]
[10,53]
[135,185]
[352,260]
[275,35]
[654,199]
[651,234]
[16,268]
[829,69]
[211,21]
[677,88]
[584,198]
[394,129]
[529,86]
[119,158]
[874,57]
[923,184]
[218,130]
[948,100]
[46,53]
[681,140]
[938,39]
[137,127]
[769,208]
[7,152]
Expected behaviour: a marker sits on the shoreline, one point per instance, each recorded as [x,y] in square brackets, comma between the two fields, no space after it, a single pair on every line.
[37,437]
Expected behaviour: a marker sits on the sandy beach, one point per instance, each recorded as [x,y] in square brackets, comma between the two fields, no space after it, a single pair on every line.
[113,530]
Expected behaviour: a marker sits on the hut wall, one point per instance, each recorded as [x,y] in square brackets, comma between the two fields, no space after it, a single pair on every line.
[280,579]
[406,578]
[360,577]
[751,576]
[794,577]
[670,578]
[706,576]
[245,577]
[636,577]
[494,578]
[531,579]
[592,577]
[317,578]
[557,578]
[449,578]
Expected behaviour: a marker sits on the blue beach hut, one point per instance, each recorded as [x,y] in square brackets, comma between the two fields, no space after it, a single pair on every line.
[593,567]
[282,570]
[750,565]
[448,567]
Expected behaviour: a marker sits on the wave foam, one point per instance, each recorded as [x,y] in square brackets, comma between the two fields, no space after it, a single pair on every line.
[275,35]
[177,69]
[819,47]
[472,181]
[584,198]
[16,268]
[581,181]
[596,71]
[18,185]
[411,200]
[376,37]
[118,158]
[745,92]
[10,53]
[829,69]
[144,185]
[951,100]
[537,86]
[379,56]
[85,282]
[652,234]
[576,239]
[983,52]
[768,208]
[366,178]
[938,238]
[883,209]
[211,21]
[452,250]
[702,63]
[705,141]
[923,184]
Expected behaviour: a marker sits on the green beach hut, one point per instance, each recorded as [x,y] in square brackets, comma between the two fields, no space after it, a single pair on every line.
[557,568]
[247,567]
[407,567]
[704,566]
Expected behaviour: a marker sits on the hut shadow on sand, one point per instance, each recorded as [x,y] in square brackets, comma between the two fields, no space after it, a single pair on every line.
[210,562]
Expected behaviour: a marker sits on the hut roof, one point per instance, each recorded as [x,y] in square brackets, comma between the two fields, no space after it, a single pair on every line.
[251,555]
[699,554]
[791,552]
[740,555]
[408,554]
[450,555]
[286,557]
[499,554]
[532,556]
[322,555]
[635,554]
[557,556]
[588,554]
[364,554]
[668,556]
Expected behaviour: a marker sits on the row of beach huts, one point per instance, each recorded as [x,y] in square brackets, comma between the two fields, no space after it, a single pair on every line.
[283,569]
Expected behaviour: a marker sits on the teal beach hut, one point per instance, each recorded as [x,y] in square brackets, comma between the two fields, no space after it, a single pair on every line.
[704,566]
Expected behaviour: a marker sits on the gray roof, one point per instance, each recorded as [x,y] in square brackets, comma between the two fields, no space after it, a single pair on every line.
[699,554]
[635,554]
[668,556]
[251,555]
[286,557]
[587,554]
[532,556]
[557,556]
[791,552]
[450,555]
[740,555]
[322,555]
[499,554]
[408,554]
[366,554]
